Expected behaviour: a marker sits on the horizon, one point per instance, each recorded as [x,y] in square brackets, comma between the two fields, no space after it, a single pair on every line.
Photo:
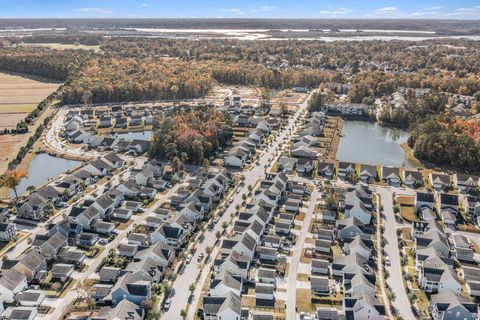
[249,9]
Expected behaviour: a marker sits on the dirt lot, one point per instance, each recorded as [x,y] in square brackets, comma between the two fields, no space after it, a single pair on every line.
[19,96]
[289,97]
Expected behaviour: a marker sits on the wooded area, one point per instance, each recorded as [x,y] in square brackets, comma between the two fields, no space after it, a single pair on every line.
[190,135]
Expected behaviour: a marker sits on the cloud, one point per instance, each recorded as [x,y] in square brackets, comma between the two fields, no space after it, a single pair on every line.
[387,11]
[145,5]
[95,11]
[434,8]
[339,11]
[267,8]
[465,12]
[232,10]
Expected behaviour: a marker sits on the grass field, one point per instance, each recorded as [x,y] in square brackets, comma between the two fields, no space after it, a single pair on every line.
[19,96]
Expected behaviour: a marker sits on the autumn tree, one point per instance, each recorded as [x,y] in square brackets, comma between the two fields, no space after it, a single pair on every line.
[12,179]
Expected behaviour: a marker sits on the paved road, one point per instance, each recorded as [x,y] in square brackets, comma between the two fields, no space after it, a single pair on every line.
[52,140]
[183,281]
[401,303]
[61,304]
[297,252]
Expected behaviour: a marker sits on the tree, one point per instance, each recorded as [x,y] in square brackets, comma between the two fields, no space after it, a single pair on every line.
[206,164]
[84,289]
[218,234]
[183,314]
[224,225]
[31,189]
[12,179]
[208,250]
[283,107]
[191,288]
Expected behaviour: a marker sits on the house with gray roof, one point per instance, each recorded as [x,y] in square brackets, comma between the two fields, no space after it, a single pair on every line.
[131,287]
[449,306]
[11,283]
[122,311]
[226,307]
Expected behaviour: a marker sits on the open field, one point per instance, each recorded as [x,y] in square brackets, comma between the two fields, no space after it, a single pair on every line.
[19,96]
[63,46]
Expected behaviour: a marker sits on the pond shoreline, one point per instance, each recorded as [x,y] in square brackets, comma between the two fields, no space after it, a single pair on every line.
[368,142]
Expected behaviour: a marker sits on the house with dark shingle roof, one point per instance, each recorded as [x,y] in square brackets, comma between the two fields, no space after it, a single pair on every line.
[465,182]
[391,175]
[131,287]
[412,178]
[439,181]
[345,168]
[368,173]
[326,169]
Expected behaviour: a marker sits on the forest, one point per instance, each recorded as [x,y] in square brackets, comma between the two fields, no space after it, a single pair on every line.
[439,141]
[48,63]
[191,135]
[128,79]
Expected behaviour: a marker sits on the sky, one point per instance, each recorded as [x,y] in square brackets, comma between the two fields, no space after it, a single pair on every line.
[339,9]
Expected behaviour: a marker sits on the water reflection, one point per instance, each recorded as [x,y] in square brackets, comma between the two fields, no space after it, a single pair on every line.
[370,143]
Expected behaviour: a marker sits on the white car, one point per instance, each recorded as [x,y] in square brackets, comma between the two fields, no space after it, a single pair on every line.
[167,304]
[387,260]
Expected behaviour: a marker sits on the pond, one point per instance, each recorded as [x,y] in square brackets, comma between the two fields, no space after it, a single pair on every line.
[42,168]
[369,143]
[140,135]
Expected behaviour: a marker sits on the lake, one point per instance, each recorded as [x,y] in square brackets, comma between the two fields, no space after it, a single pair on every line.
[42,168]
[140,135]
[369,143]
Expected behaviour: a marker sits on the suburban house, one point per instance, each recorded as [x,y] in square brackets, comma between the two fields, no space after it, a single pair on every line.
[225,307]
[424,199]
[412,178]
[345,169]
[7,231]
[368,173]
[439,181]
[449,306]
[465,182]
[326,169]
[391,175]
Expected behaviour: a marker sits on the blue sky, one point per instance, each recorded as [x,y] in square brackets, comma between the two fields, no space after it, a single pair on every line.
[428,9]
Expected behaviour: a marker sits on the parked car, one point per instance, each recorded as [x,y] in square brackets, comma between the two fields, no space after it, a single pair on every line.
[200,257]
[387,260]
[167,304]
